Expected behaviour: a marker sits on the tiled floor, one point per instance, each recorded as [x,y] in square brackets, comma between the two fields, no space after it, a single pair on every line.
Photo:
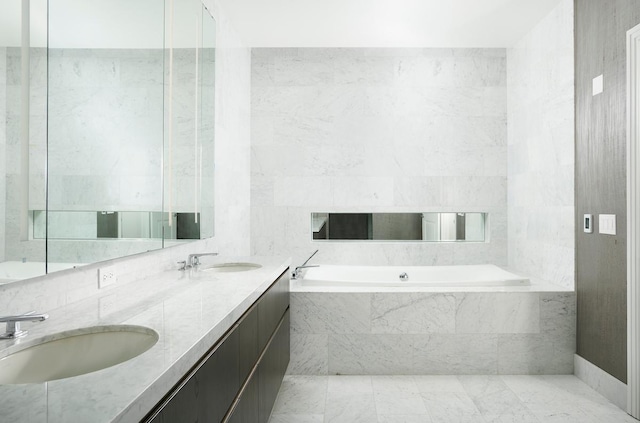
[447,399]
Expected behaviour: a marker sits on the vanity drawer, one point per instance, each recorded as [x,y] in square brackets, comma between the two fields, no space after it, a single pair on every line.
[271,308]
[239,378]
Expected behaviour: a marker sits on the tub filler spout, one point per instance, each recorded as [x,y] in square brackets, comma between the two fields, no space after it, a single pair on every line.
[297,271]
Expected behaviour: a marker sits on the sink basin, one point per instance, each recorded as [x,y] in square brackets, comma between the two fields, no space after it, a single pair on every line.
[232,267]
[76,352]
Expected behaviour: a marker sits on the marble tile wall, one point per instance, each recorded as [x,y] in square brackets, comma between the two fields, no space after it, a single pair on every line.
[231,193]
[15,248]
[106,129]
[540,92]
[432,333]
[391,130]
[3,145]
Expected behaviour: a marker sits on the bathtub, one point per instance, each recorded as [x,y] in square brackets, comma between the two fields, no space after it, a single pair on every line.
[451,320]
[463,276]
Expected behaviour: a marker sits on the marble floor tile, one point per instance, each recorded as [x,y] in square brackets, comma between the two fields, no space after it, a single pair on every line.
[348,383]
[398,402]
[349,407]
[404,418]
[296,418]
[301,395]
[446,399]
[438,383]
[451,407]
[394,384]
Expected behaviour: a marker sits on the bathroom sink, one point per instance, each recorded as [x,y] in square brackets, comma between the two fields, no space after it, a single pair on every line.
[232,267]
[75,353]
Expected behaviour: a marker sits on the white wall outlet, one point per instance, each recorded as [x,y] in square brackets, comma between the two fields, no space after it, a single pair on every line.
[607,224]
[588,223]
[106,276]
[107,305]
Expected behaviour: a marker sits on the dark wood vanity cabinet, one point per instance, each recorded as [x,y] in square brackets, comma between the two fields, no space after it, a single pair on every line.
[238,379]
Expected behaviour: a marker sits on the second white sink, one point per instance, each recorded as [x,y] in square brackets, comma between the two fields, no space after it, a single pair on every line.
[232,267]
[76,352]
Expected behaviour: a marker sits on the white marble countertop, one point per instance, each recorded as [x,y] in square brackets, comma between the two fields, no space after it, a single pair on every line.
[190,311]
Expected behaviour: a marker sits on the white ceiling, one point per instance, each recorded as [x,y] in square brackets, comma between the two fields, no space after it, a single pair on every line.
[385,23]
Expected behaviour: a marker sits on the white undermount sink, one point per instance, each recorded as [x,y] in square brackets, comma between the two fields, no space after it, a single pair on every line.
[76,352]
[232,267]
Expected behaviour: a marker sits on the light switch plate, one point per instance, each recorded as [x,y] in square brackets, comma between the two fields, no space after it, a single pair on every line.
[607,224]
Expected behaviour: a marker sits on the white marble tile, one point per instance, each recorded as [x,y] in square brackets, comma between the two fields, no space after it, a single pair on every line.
[535,354]
[332,313]
[309,354]
[495,401]
[451,407]
[442,354]
[364,70]
[301,395]
[558,314]
[394,384]
[541,141]
[398,402]
[498,313]
[296,418]
[404,418]
[384,144]
[346,383]
[412,313]
[347,407]
[362,191]
[602,382]
[387,354]
[433,383]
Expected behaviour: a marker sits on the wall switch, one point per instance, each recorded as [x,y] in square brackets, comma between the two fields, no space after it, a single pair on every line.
[106,276]
[607,224]
[588,223]
[597,85]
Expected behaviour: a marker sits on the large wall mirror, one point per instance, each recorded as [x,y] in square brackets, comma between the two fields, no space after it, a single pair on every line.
[107,129]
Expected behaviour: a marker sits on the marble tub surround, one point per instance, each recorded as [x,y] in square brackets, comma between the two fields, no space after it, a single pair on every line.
[432,332]
[189,311]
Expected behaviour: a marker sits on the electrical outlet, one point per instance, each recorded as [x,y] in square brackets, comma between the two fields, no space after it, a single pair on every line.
[106,277]
[107,305]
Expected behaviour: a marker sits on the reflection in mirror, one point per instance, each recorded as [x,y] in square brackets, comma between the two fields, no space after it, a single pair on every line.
[105,122]
[433,227]
[23,87]
[103,104]
[189,118]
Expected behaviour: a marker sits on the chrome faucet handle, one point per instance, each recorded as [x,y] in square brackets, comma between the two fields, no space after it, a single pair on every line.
[296,272]
[183,265]
[13,324]
[194,259]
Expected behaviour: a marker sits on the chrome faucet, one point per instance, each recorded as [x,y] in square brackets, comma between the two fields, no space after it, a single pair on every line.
[296,272]
[194,259]
[13,324]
